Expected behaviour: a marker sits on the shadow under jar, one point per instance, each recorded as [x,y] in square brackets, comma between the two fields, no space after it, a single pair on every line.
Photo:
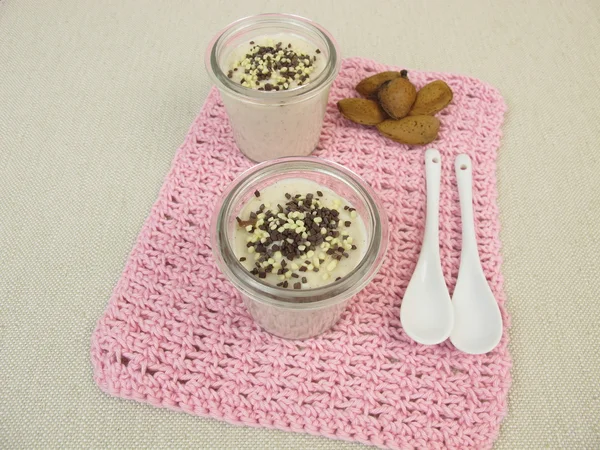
[275,123]
[298,313]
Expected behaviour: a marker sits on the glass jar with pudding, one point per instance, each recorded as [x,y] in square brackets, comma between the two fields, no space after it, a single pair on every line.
[298,237]
[274,72]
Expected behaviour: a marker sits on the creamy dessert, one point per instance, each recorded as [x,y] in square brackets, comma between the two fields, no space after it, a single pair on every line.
[279,112]
[298,234]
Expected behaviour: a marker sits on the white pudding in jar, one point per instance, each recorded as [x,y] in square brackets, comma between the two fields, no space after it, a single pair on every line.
[296,234]
[274,73]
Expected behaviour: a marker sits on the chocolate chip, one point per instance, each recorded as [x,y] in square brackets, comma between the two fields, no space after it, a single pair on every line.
[295,275]
[280,284]
[257,194]
[285,284]
[242,259]
[353,247]
[346,254]
[338,278]
[252,43]
[297,285]
[318,51]
[304,280]
[262,274]
[319,193]
[303,269]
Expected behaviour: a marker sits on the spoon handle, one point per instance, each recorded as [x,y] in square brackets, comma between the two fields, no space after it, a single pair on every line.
[433,172]
[464,179]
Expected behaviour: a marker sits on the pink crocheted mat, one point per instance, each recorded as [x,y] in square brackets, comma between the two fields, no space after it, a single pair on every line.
[177,335]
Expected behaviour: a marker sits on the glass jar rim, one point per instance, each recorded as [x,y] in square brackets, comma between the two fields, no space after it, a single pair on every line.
[303,298]
[300,93]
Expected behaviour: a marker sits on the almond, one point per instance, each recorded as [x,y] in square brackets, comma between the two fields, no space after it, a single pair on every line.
[369,86]
[432,98]
[412,130]
[361,110]
[397,97]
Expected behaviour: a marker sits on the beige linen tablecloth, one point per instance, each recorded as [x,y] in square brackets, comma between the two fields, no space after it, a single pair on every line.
[95,97]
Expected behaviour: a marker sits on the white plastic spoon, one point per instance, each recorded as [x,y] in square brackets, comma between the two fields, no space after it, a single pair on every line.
[426,312]
[477,319]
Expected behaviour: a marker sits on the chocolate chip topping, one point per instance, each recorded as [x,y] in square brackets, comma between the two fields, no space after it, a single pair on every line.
[298,229]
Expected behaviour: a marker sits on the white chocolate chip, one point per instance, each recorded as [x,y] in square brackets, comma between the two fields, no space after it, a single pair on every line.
[294,266]
[353,214]
[251,250]
[326,276]
[332,265]
[310,254]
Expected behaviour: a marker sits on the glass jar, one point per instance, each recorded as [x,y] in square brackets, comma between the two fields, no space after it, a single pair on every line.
[272,124]
[291,313]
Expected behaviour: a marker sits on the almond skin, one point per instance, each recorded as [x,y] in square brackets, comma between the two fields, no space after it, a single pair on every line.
[412,130]
[396,97]
[362,111]
[432,98]
[369,86]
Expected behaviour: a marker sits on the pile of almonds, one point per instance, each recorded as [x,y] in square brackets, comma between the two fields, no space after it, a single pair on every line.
[395,107]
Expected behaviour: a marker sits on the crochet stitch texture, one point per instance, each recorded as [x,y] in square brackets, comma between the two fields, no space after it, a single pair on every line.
[176,334]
